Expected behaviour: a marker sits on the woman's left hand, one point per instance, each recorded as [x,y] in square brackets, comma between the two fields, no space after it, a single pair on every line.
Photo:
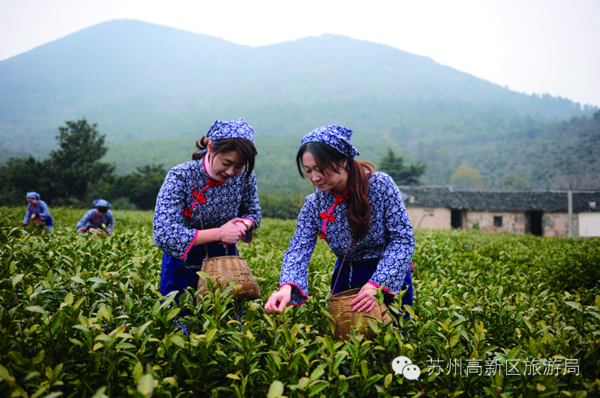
[365,301]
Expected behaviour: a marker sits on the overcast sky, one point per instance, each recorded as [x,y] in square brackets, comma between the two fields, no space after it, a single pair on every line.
[532,46]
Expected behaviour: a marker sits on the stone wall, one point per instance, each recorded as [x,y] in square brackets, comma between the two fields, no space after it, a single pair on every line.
[429,217]
[553,224]
[556,224]
[511,221]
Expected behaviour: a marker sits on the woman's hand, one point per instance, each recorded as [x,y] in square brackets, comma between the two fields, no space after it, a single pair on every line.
[279,300]
[243,224]
[366,300]
[232,231]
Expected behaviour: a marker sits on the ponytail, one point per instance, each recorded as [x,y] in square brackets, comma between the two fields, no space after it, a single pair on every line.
[359,208]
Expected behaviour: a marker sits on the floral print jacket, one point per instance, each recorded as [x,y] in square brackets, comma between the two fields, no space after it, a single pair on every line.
[390,226]
[180,204]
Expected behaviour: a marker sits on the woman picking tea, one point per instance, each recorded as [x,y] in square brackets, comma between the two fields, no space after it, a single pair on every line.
[207,205]
[37,213]
[360,214]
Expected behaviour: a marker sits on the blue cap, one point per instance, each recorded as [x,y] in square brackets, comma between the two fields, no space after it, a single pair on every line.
[101,203]
[33,195]
[233,129]
[337,137]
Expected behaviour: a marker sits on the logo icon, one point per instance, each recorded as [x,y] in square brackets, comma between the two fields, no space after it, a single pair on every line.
[403,366]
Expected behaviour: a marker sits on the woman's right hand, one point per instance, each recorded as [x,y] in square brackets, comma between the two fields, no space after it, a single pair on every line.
[232,232]
[279,300]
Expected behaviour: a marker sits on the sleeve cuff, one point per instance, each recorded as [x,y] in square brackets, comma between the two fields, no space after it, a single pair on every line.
[298,297]
[384,289]
[249,219]
[190,246]
[249,235]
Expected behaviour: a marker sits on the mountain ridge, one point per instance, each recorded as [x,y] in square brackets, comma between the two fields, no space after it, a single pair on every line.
[141,81]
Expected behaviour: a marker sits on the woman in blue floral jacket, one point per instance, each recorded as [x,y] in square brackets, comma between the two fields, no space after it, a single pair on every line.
[38,213]
[359,213]
[206,206]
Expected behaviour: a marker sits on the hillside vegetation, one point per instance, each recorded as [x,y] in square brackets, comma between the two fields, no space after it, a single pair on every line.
[154,90]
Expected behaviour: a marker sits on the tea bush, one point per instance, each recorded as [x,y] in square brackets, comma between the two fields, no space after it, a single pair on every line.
[81,316]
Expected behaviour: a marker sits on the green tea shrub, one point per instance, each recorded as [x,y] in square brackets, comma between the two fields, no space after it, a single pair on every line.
[81,316]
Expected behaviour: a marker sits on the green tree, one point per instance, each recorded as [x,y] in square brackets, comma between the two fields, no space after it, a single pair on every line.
[21,175]
[402,175]
[513,182]
[467,178]
[140,187]
[597,115]
[77,161]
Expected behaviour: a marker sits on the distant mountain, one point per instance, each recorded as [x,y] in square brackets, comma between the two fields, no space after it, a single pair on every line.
[140,81]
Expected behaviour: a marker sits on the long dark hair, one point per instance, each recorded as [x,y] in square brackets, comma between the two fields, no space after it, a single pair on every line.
[329,159]
[244,147]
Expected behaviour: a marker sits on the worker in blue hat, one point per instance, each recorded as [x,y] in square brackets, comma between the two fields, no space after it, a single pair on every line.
[100,218]
[205,207]
[37,213]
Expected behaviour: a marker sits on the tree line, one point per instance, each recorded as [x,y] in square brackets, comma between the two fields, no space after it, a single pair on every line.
[74,175]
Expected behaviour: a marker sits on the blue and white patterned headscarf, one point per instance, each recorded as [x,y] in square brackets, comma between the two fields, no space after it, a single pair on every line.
[233,129]
[101,203]
[32,195]
[337,137]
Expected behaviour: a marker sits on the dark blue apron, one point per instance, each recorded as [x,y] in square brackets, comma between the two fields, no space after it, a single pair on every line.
[48,221]
[355,274]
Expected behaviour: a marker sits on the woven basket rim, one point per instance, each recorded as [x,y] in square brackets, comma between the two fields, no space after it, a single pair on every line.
[220,258]
[345,294]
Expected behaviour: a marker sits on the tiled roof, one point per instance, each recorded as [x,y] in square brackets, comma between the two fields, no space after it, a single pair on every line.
[554,201]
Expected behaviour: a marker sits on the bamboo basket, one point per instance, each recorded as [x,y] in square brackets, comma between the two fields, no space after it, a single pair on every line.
[344,317]
[224,268]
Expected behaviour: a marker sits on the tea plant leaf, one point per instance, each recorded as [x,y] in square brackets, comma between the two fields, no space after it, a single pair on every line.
[173,313]
[146,385]
[95,279]
[233,376]
[597,315]
[5,375]
[54,394]
[100,393]
[303,383]
[388,380]
[574,304]
[275,390]
[40,391]
[317,388]
[16,279]
[142,329]
[210,336]
[138,372]
[36,308]
[178,340]
[514,352]
[69,298]
[318,372]
[105,313]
